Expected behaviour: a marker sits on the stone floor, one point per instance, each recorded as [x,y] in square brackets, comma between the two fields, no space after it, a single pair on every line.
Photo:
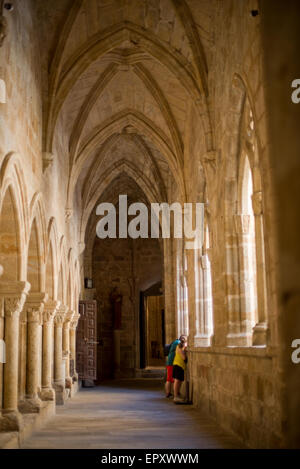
[128,414]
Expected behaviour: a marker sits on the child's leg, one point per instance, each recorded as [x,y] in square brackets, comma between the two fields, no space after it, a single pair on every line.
[168,388]
[177,385]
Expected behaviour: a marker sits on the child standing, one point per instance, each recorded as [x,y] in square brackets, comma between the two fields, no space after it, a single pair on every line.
[179,365]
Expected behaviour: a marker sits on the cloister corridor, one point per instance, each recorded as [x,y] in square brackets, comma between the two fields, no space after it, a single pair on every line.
[149,199]
[131,415]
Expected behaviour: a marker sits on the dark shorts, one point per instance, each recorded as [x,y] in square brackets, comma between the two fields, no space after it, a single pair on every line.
[178,373]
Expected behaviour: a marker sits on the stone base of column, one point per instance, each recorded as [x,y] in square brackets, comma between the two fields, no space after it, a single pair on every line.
[60,393]
[48,394]
[202,340]
[239,340]
[69,383]
[11,421]
[74,389]
[260,331]
[30,406]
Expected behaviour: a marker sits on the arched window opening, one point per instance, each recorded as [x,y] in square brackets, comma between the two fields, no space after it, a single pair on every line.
[33,262]
[9,249]
[182,293]
[246,269]
[203,294]
[249,249]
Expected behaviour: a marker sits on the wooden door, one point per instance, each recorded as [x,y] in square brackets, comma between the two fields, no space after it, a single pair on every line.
[86,341]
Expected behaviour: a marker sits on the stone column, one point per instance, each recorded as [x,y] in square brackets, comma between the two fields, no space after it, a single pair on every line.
[260,329]
[73,327]
[192,295]
[204,321]
[66,347]
[207,296]
[13,296]
[48,393]
[59,375]
[195,326]
[22,354]
[169,282]
[232,286]
[34,307]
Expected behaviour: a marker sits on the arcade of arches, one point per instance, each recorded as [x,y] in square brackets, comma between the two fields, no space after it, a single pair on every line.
[165,101]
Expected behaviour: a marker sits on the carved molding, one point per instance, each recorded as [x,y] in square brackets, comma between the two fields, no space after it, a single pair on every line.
[210,161]
[204,262]
[48,159]
[34,315]
[257,203]
[68,318]
[242,224]
[68,214]
[3,28]
[74,322]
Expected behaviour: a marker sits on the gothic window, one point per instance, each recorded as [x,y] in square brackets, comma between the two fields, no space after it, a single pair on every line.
[203,294]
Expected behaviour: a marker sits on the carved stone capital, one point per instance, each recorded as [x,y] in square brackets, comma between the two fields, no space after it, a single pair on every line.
[242,224]
[34,315]
[35,306]
[74,322]
[60,315]
[13,297]
[13,305]
[50,311]
[68,318]
[257,203]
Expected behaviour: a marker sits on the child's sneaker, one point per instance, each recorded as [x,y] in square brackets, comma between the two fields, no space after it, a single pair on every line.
[178,400]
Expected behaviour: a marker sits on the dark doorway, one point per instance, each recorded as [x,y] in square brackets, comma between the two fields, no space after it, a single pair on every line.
[152,327]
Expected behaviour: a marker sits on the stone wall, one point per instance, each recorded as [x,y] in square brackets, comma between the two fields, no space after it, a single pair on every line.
[21,114]
[239,388]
